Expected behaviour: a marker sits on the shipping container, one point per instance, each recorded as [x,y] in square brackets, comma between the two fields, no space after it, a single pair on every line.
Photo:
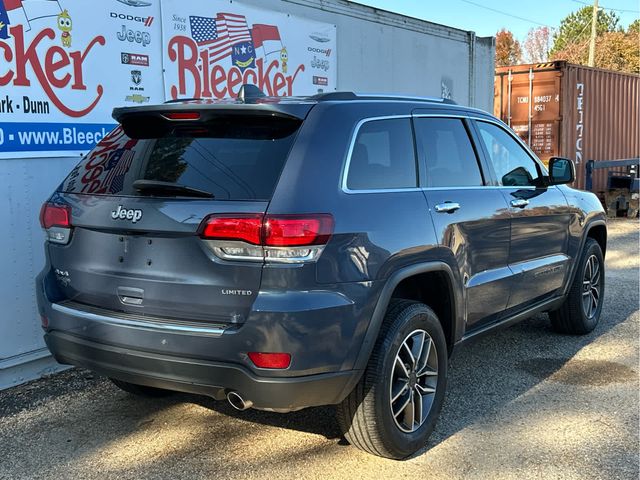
[571,111]
[377,51]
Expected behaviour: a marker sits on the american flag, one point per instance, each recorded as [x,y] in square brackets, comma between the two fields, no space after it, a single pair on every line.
[219,34]
[117,168]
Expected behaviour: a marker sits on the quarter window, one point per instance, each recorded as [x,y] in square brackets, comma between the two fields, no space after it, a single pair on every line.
[383,156]
[512,164]
[449,156]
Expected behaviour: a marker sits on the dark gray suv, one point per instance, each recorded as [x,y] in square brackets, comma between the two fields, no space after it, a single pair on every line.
[291,252]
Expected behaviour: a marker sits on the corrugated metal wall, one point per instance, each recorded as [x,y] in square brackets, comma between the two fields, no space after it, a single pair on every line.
[577,112]
[601,111]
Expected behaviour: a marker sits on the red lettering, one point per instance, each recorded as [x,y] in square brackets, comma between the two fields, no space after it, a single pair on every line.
[234,79]
[218,77]
[279,82]
[218,82]
[92,174]
[29,56]
[184,51]
[206,88]
[292,78]
[8,56]
[51,66]
[78,60]
[264,77]
[250,73]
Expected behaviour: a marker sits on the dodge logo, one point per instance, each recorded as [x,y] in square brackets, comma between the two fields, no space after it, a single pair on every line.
[126,214]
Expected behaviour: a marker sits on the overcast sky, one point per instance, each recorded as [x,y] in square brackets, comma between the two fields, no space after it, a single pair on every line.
[483,17]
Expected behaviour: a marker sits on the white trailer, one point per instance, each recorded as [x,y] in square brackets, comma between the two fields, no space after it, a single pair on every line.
[377,51]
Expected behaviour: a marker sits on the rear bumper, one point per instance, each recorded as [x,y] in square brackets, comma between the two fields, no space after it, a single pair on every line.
[203,377]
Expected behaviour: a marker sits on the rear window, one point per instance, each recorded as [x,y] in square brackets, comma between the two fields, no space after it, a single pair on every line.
[229,160]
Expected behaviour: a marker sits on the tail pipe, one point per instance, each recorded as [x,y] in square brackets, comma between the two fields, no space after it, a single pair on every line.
[238,402]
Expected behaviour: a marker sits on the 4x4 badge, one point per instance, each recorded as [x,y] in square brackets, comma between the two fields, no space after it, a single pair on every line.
[126,214]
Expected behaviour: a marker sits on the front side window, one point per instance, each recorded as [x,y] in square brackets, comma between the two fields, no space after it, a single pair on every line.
[512,164]
[383,156]
[448,153]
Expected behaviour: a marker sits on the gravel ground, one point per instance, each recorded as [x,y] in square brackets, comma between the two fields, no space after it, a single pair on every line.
[522,403]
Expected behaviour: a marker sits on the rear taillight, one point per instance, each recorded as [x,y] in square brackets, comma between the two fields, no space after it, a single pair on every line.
[243,228]
[297,230]
[56,221]
[283,239]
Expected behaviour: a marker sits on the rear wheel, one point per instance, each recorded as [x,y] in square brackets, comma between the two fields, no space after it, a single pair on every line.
[580,312]
[393,409]
[141,390]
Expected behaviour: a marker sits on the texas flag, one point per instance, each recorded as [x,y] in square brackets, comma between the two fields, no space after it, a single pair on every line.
[21,12]
[267,37]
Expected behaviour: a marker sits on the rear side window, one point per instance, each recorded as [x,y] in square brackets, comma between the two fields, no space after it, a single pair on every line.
[383,156]
[449,156]
[230,163]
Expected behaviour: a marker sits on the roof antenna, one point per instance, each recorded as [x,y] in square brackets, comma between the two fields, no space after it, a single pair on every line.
[249,92]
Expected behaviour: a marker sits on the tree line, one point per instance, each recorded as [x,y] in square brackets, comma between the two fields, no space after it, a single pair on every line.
[616,48]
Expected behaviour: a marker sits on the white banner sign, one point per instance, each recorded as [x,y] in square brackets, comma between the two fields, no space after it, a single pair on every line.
[64,66]
[213,47]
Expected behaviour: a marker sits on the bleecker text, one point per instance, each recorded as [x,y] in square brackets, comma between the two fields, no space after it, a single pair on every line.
[54,69]
[219,82]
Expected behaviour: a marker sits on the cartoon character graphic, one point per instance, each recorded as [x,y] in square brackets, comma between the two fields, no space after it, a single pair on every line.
[65,25]
[284,58]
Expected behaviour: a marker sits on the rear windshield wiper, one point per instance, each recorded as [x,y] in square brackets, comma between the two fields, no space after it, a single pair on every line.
[157,187]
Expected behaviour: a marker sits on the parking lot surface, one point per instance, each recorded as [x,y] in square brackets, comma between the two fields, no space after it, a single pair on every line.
[522,403]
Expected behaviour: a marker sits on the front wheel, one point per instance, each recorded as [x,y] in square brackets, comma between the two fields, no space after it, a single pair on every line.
[393,409]
[580,312]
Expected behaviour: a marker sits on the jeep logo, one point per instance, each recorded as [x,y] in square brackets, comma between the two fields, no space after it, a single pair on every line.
[134,36]
[126,214]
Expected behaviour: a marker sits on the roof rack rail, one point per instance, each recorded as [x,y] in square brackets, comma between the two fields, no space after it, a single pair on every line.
[341,96]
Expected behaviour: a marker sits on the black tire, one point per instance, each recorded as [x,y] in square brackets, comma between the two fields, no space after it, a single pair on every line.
[141,390]
[572,316]
[365,416]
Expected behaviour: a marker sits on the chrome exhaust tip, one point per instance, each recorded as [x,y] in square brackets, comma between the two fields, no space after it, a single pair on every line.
[237,402]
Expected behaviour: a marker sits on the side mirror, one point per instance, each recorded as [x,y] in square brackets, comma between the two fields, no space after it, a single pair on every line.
[561,171]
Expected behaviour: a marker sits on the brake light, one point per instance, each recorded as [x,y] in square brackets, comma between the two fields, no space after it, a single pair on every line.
[52,215]
[56,221]
[285,238]
[182,116]
[298,230]
[244,228]
[270,360]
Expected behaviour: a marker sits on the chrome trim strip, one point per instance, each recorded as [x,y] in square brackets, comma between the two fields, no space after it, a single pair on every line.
[462,116]
[347,164]
[164,328]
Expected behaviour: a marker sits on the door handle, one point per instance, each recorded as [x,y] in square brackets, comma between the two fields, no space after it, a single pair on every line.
[447,207]
[519,203]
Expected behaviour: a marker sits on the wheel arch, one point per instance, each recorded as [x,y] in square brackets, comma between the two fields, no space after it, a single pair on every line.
[596,229]
[399,280]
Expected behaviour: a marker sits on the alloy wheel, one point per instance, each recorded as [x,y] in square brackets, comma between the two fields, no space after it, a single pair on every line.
[414,378]
[591,287]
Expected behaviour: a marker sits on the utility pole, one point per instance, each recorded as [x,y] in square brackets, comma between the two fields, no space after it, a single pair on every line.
[594,31]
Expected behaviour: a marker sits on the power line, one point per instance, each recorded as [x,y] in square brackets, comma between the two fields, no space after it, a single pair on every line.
[608,8]
[479,5]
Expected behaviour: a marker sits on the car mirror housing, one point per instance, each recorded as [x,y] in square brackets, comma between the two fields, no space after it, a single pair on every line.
[561,171]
